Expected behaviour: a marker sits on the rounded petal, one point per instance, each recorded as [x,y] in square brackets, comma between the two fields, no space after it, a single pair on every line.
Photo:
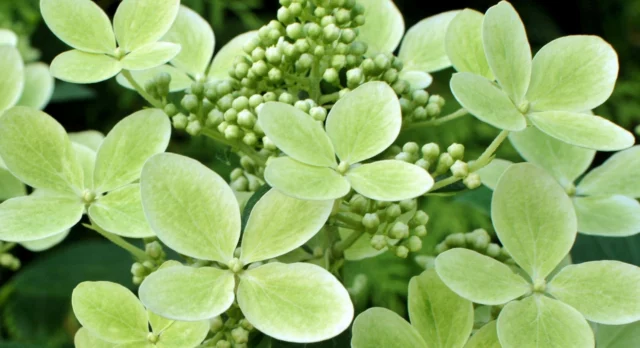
[423,47]
[383,26]
[176,334]
[195,36]
[80,67]
[534,219]
[224,58]
[573,73]
[491,173]
[80,24]
[486,102]
[485,337]
[617,175]
[45,243]
[365,122]
[12,82]
[417,79]
[150,56]
[120,212]
[298,302]
[90,138]
[610,216]
[380,327]
[8,37]
[141,22]
[85,339]
[390,180]
[463,43]
[38,86]
[10,186]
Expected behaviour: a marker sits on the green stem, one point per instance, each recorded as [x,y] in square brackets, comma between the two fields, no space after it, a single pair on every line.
[329,98]
[151,100]
[437,122]
[117,240]
[7,247]
[238,145]
[340,247]
[484,159]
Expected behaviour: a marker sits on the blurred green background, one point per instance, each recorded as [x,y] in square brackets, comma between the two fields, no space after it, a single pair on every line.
[34,303]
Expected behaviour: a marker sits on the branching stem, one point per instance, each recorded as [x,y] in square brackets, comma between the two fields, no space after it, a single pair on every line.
[438,121]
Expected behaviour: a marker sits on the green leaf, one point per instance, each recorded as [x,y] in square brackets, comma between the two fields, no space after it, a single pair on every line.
[380,327]
[196,37]
[606,292]
[10,186]
[297,302]
[463,43]
[129,144]
[486,337]
[592,132]
[87,159]
[507,49]
[120,212]
[617,336]
[12,82]
[563,161]
[573,73]
[417,79]
[390,180]
[617,175]
[150,56]
[80,67]
[534,219]
[486,102]
[443,318]
[8,37]
[37,150]
[223,60]
[141,22]
[609,216]
[279,224]
[423,47]
[190,208]
[365,122]
[187,293]
[90,138]
[38,86]
[110,312]
[80,24]
[45,243]
[28,218]
[179,80]
[480,278]
[178,334]
[491,173]
[304,181]
[309,144]
[538,321]
[383,26]
[84,339]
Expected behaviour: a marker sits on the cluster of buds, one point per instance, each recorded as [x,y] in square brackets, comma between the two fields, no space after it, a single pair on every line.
[140,270]
[420,106]
[231,330]
[398,226]
[478,240]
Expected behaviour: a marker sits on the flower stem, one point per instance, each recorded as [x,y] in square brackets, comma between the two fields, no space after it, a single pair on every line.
[438,121]
[119,241]
[7,247]
[151,100]
[238,145]
[340,247]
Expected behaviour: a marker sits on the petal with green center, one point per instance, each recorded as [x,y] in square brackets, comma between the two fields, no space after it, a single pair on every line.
[128,146]
[563,161]
[592,132]
[141,22]
[110,312]
[179,80]
[485,337]
[38,86]
[486,102]
[605,292]
[196,37]
[279,223]
[80,24]
[573,73]
[507,49]
[390,180]
[150,56]
[12,82]
[178,334]
[223,60]
[534,219]
[610,216]
[37,150]
[463,43]
[380,327]
[188,293]
[365,122]
[383,26]
[303,181]
[120,212]
[296,302]
[190,208]
[491,173]
[480,278]
[81,67]
[45,243]
[308,144]
[423,47]
[443,318]
[536,322]
[28,218]
[617,175]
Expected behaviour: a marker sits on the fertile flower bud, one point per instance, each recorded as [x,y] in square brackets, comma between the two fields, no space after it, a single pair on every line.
[460,169]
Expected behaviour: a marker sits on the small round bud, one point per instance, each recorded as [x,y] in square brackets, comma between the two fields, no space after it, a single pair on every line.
[358,204]
[180,121]
[420,231]
[284,15]
[338,61]
[305,61]
[408,204]
[313,30]
[420,97]
[378,242]
[371,221]
[296,9]
[154,250]
[190,102]
[411,148]
[240,103]
[393,212]
[456,240]
[460,169]
[170,110]
[318,51]
[382,62]
[223,344]
[246,119]
[400,86]
[295,31]
[404,157]
[330,75]
[343,92]
[359,20]
[402,252]
[444,163]
[330,33]
[358,48]
[420,113]
[420,218]
[241,184]
[348,36]
[236,174]
[232,132]
[318,113]
[399,231]
[245,324]
[216,324]
[414,244]
[223,126]
[424,164]
[269,97]
[231,115]
[456,151]
[430,151]
[286,98]
[255,100]
[302,105]
[493,250]
[268,144]
[354,77]
[440,248]
[436,99]
[240,335]
[472,181]
[258,54]
[223,88]
[137,269]
[391,76]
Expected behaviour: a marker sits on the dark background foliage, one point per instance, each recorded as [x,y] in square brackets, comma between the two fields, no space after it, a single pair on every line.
[34,303]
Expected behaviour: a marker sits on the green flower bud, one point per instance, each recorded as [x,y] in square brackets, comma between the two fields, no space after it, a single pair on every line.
[358,48]
[286,98]
[240,103]
[396,63]
[154,250]
[420,97]
[330,33]
[179,121]
[327,20]
[436,99]
[382,62]
[378,242]
[400,86]
[137,280]
[247,163]
[258,54]
[420,113]
[420,231]
[420,218]
[214,118]
[241,184]
[343,92]
[460,169]
[318,113]
[197,88]
[390,76]
[302,46]
[255,100]
[368,66]
[223,344]
[232,132]
[295,31]
[393,211]
[268,144]
[493,250]
[338,61]
[433,110]
[245,324]
[305,61]
[260,68]
[318,51]
[216,324]
[478,239]
[440,248]
[246,119]
[430,151]
[456,240]
[399,230]
[404,157]
[331,75]
[137,269]
[472,181]
[408,204]
[349,4]
[343,16]
[251,45]
[302,105]
[354,77]
[444,163]
[285,3]
[423,163]
[223,126]
[313,30]
[231,115]
[150,266]
[358,204]
[190,102]
[270,97]
[275,75]
[402,252]
[170,110]
[285,16]
[240,335]
[414,244]
[296,9]
[411,148]
[371,221]
[456,151]
[275,25]
[194,128]
[236,174]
